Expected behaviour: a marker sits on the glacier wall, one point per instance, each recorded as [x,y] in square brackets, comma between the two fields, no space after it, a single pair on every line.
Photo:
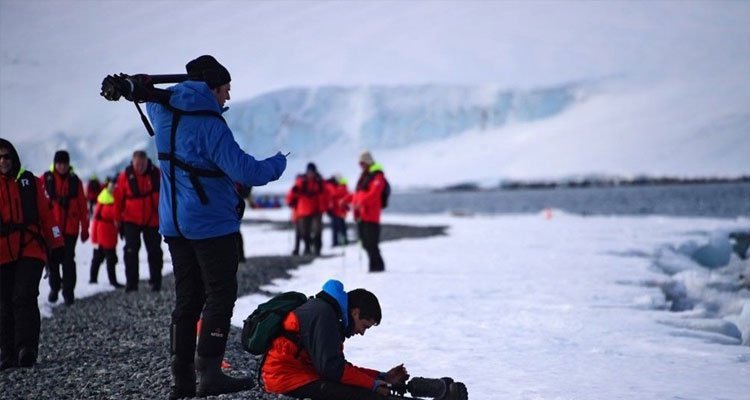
[306,121]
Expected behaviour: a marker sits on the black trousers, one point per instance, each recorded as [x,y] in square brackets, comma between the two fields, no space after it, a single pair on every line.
[326,390]
[19,311]
[205,273]
[311,229]
[369,234]
[68,278]
[240,247]
[96,260]
[152,240]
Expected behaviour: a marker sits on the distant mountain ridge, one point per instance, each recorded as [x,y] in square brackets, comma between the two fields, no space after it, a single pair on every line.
[311,121]
[434,136]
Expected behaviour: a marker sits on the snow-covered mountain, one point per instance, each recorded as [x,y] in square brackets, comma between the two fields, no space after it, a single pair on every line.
[441,92]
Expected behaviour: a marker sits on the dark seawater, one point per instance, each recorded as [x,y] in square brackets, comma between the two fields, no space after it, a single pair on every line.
[722,200]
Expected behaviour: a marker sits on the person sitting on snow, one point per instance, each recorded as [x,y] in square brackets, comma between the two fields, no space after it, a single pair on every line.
[314,366]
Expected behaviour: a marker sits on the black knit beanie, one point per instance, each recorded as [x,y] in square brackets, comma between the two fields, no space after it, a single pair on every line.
[207,69]
[62,156]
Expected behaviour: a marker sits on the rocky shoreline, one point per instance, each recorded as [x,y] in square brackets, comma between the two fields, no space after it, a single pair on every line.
[115,345]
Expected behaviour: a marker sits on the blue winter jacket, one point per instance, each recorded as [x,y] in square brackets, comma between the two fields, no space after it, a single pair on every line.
[204,142]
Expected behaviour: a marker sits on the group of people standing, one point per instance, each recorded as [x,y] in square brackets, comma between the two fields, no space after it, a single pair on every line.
[41,220]
[125,206]
[312,196]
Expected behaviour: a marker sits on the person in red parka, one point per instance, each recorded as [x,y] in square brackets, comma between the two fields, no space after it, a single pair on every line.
[104,235]
[66,191]
[367,205]
[29,234]
[292,199]
[311,200]
[337,209]
[137,203]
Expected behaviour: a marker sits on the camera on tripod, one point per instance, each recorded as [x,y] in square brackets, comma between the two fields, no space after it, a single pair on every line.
[136,88]
[139,88]
[437,389]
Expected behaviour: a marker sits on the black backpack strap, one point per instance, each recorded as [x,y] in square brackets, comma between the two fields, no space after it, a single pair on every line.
[62,199]
[49,185]
[144,120]
[194,172]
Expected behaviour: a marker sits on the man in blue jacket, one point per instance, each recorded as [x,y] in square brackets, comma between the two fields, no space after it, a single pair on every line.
[199,216]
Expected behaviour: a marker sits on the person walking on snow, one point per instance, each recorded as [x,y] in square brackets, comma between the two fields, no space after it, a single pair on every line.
[311,200]
[137,203]
[104,229]
[65,190]
[29,234]
[367,205]
[337,209]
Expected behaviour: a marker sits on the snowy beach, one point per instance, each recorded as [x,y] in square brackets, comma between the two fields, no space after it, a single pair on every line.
[549,306]
[537,306]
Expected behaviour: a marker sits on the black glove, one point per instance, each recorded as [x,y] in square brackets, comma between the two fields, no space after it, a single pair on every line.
[56,255]
[121,231]
[134,88]
[116,86]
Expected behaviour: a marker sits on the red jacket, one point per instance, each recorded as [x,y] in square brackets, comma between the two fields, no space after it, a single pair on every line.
[367,198]
[71,211]
[104,225]
[140,207]
[338,194]
[287,367]
[308,197]
[12,247]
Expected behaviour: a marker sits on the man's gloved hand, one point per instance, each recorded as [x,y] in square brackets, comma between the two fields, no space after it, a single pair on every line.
[136,88]
[397,374]
[116,86]
[56,255]
[121,231]
[382,388]
[84,235]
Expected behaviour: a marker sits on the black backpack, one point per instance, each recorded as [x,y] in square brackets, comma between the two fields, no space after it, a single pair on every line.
[385,194]
[266,323]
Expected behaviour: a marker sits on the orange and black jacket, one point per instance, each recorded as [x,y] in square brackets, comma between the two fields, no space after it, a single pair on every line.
[137,196]
[317,353]
[308,196]
[69,201]
[337,195]
[28,228]
[367,198]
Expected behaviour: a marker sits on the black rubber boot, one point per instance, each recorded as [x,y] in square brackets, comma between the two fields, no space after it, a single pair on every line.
[8,361]
[212,381]
[26,357]
[183,380]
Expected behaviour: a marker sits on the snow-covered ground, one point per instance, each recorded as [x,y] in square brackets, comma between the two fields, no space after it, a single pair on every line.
[531,307]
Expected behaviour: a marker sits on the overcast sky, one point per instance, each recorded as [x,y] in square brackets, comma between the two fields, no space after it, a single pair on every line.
[55,53]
